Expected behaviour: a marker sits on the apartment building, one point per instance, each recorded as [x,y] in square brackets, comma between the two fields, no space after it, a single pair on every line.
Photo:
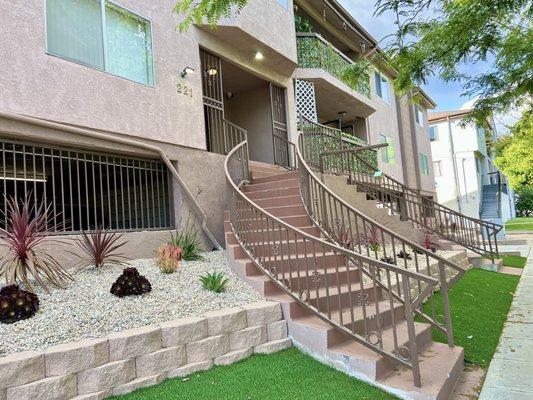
[465,175]
[100,98]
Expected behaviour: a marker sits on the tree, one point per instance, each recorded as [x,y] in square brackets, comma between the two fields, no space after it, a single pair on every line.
[437,37]
[210,11]
[524,202]
[514,153]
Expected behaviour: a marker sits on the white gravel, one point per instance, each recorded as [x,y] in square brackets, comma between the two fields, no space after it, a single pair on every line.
[86,308]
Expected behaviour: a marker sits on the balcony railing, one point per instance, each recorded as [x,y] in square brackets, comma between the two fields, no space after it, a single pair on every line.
[315,52]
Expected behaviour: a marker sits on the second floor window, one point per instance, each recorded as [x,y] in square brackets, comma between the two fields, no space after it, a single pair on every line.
[433,133]
[102,35]
[419,115]
[387,153]
[382,86]
[424,164]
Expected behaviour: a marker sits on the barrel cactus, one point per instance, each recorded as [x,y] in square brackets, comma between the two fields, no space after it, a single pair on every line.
[130,283]
[17,304]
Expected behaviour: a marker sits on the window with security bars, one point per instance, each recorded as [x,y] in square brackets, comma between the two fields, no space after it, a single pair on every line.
[86,190]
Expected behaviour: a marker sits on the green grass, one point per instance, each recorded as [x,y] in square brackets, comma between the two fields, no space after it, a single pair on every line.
[479,304]
[288,375]
[514,261]
[520,224]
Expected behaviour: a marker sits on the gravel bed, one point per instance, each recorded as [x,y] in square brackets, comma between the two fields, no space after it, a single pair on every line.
[86,308]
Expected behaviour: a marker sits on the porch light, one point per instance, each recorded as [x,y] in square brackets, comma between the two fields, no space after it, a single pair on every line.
[186,71]
[212,71]
[259,56]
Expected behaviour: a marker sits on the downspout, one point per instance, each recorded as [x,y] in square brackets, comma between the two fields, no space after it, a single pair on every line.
[454,163]
[130,142]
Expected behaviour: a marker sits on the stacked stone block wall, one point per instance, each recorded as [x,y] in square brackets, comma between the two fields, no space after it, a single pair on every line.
[125,361]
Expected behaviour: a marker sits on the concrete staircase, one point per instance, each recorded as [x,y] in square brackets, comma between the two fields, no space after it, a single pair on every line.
[277,191]
[489,203]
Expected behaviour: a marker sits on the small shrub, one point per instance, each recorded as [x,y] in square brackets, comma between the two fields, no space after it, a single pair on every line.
[372,238]
[101,247]
[214,281]
[168,258]
[189,242]
[130,283]
[404,254]
[24,236]
[17,304]
[428,242]
[388,260]
[342,236]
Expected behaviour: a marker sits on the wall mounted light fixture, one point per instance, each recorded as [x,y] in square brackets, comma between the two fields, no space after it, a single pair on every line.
[212,71]
[259,56]
[186,71]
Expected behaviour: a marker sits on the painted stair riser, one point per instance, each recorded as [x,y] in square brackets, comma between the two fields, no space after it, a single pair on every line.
[274,193]
[258,236]
[292,182]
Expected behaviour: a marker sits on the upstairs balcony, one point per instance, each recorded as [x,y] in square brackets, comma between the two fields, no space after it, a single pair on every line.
[319,61]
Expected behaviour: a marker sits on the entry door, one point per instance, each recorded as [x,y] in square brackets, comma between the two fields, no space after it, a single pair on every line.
[213,99]
[279,126]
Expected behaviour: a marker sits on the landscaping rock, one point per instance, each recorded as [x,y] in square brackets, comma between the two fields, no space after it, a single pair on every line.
[160,361]
[273,346]
[106,376]
[183,331]
[262,313]
[74,357]
[190,369]
[134,342]
[21,368]
[233,356]
[206,349]
[277,330]
[246,338]
[225,321]
[57,387]
[138,383]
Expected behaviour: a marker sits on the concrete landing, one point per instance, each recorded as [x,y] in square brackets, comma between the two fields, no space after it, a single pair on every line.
[511,369]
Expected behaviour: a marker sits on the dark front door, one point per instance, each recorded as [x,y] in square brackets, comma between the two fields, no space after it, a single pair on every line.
[279,126]
[213,99]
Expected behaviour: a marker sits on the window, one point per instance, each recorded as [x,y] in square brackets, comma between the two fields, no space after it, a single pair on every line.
[437,168]
[419,115]
[382,86]
[424,163]
[433,133]
[284,4]
[85,190]
[387,153]
[102,35]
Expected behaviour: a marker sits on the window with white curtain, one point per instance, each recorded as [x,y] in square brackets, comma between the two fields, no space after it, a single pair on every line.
[102,35]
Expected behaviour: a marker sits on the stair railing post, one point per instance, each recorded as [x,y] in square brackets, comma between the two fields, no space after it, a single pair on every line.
[446,303]
[413,348]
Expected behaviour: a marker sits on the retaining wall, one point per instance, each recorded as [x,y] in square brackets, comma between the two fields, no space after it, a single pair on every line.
[125,361]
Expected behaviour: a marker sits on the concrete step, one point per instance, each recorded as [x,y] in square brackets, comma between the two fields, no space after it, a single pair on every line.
[277,184]
[274,177]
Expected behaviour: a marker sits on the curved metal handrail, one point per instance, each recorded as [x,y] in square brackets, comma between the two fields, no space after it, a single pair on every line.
[296,262]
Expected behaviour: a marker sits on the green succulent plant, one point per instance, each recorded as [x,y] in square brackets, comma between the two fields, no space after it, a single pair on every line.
[214,281]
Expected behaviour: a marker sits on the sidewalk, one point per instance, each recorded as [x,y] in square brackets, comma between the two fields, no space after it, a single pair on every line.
[510,373]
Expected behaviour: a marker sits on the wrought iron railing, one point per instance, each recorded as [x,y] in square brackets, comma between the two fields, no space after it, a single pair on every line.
[474,234]
[340,286]
[284,152]
[315,52]
[224,135]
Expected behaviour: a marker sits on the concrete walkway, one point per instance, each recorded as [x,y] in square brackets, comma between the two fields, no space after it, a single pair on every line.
[510,374]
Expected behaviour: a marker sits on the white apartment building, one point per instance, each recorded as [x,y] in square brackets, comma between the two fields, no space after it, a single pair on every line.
[466,178]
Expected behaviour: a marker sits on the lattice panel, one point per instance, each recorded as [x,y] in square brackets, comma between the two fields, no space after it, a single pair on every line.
[305,100]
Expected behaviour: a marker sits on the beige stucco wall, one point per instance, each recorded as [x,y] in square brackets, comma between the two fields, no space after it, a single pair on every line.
[423,145]
[384,121]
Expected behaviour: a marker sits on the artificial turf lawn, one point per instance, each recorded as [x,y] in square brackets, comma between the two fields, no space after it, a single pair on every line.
[514,261]
[520,224]
[479,304]
[287,375]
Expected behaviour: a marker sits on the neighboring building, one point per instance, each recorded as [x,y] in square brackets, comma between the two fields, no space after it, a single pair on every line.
[121,70]
[465,175]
